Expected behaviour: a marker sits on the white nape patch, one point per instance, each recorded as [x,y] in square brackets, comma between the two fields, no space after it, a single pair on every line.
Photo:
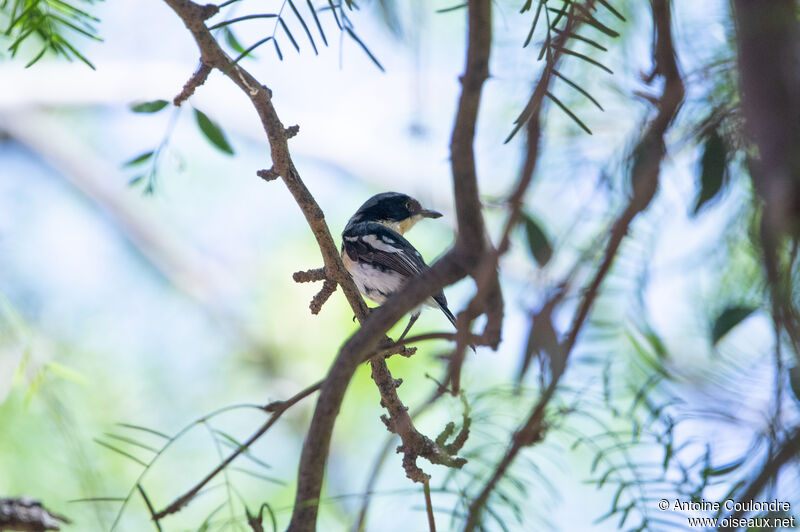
[351,238]
[375,284]
[380,244]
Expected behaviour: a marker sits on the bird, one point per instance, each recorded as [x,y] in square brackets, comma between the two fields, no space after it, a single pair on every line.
[377,256]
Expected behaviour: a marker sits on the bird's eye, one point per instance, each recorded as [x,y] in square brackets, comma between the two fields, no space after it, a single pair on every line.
[408,205]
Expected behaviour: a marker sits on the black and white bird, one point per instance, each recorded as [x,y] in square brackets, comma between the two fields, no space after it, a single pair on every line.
[377,256]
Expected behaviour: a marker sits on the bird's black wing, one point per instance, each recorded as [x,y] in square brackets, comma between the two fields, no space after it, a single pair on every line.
[383,248]
[375,244]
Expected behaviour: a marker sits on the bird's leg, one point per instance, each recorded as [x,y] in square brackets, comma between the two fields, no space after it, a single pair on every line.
[411,321]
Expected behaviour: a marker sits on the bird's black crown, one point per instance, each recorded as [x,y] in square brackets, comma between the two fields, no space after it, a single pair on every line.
[391,207]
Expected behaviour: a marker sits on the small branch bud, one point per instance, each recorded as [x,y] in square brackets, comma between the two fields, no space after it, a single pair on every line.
[268,175]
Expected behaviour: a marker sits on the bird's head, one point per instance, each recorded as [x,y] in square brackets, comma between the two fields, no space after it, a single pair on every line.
[396,211]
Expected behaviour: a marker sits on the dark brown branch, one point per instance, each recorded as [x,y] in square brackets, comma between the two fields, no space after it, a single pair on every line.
[452,267]
[198,78]
[768,39]
[328,288]
[647,157]
[26,514]
[488,295]
[211,54]
[365,340]
[462,153]
[309,276]
[381,458]
[268,175]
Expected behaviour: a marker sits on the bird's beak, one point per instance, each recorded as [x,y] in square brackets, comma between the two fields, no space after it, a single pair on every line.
[426,213]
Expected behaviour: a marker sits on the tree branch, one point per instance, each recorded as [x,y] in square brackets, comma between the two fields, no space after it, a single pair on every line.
[365,340]
[24,513]
[647,157]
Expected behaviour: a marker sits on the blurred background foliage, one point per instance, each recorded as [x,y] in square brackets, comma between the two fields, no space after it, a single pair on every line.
[145,272]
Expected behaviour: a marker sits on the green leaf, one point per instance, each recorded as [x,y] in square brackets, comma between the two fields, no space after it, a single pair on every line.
[537,241]
[149,107]
[233,42]
[569,113]
[65,372]
[728,319]
[139,159]
[289,34]
[316,20]
[212,132]
[363,46]
[136,180]
[305,26]
[577,88]
[712,170]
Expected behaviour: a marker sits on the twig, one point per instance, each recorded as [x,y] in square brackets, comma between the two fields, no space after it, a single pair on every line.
[488,296]
[24,513]
[197,79]
[647,157]
[381,458]
[277,409]
[426,487]
[149,507]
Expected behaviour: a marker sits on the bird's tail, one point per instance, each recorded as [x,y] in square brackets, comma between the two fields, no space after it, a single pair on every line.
[443,306]
[447,313]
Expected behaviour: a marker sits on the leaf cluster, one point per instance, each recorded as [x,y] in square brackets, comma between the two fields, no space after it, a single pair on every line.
[54,22]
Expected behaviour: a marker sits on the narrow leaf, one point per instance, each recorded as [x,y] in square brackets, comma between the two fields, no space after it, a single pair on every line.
[37,57]
[577,88]
[728,319]
[611,8]
[585,58]
[145,429]
[589,19]
[289,33]
[587,40]
[538,242]
[248,52]
[316,20]
[277,48]
[136,180]
[533,26]
[305,27]
[712,170]
[451,8]
[121,452]
[333,10]
[234,43]
[139,159]
[569,113]
[149,107]
[212,132]
[364,47]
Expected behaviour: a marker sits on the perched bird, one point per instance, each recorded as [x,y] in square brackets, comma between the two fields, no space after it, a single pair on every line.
[377,256]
